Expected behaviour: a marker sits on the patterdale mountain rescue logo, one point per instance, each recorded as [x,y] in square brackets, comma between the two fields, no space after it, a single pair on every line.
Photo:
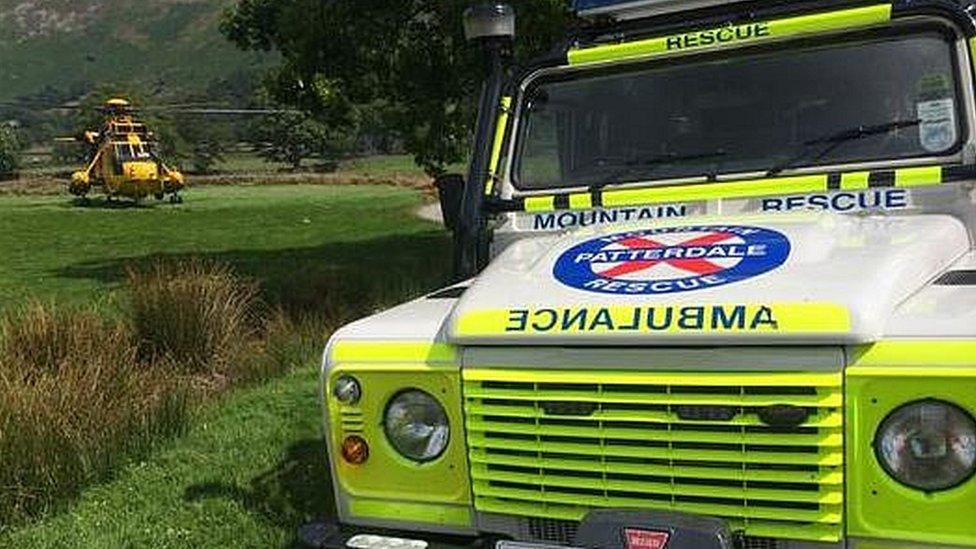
[672,259]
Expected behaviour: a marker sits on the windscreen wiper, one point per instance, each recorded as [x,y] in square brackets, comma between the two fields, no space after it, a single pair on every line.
[837,139]
[640,165]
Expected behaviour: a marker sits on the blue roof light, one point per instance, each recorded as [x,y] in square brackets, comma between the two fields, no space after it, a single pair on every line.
[624,9]
[586,5]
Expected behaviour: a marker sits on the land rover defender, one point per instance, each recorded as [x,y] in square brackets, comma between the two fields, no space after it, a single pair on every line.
[719,282]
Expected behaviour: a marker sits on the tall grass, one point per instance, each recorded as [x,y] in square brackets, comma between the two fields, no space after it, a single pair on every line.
[74,402]
[80,394]
[195,313]
[41,340]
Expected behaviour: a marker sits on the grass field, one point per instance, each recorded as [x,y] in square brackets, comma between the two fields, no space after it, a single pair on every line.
[291,238]
[251,468]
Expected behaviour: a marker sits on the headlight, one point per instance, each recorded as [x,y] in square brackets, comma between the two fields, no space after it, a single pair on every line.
[347,390]
[416,425]
[928,445]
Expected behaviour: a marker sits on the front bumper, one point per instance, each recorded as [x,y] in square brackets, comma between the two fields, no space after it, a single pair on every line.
[337,536]
[605,529]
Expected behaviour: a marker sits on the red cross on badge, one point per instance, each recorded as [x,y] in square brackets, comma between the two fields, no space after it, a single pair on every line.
[700,267]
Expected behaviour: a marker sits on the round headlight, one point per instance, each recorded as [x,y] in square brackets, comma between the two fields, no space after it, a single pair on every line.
[416,425]
[347,390]
[928,445]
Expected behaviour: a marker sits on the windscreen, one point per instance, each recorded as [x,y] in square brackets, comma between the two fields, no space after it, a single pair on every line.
[873,97]
[128,152]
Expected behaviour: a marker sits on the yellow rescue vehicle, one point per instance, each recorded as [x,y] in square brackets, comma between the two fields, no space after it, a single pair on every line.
[124,161]
[718,290]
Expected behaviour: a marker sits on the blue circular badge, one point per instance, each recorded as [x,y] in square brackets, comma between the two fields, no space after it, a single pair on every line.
[672,259]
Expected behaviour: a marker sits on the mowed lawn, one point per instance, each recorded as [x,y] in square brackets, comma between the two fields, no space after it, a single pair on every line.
[284,236]
[252,467]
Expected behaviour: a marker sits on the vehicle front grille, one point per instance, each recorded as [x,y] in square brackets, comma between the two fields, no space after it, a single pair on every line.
[555,444]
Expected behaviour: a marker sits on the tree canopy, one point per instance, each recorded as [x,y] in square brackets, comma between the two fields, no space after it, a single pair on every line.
[406,58]
[293,136]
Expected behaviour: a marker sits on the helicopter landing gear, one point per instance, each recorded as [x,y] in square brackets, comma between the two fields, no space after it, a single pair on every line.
[175,199]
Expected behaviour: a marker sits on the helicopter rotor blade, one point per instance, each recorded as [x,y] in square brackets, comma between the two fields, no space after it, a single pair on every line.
[197,109]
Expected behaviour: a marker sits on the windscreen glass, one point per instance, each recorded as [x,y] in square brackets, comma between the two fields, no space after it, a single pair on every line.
[878,98]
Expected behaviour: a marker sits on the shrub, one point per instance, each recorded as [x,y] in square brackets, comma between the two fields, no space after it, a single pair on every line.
[74,403]
[9,152]
[196,314]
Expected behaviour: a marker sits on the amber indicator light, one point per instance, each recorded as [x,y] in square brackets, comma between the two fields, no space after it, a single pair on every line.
[355,450]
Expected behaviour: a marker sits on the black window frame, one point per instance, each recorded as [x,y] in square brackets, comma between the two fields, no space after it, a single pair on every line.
[950,32]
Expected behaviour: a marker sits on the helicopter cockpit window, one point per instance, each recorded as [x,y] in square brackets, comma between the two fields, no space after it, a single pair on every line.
[127,152]
[117,159]
[762,111]
[123,152]
[141,152]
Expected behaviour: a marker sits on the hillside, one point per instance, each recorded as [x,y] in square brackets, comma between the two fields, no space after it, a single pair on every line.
[167,45]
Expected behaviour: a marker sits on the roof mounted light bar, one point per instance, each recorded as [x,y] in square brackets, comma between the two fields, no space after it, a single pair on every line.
[634,9]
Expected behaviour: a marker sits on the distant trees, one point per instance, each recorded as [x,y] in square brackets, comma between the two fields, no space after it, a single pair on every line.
[294,136]
[206,153]
[409,56]
[10,148]
[38,116]
[201,142]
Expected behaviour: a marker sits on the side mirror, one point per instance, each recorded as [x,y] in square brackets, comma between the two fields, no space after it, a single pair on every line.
[450,188]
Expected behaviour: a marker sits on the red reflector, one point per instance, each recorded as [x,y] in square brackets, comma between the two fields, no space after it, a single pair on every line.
[646,539]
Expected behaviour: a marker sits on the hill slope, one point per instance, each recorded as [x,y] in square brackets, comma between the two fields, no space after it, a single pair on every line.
[167,45]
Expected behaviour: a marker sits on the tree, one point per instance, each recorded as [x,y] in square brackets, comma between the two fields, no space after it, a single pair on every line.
[9,151]
[293,136]
[408,55]
[202,140]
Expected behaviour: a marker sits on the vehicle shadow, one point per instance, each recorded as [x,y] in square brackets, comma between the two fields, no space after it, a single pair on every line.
[297,491]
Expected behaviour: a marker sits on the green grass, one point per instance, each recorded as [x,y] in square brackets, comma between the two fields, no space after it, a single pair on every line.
[293,239]
[246,475]
[252,467]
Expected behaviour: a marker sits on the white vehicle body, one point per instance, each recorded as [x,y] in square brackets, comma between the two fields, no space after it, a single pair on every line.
[854,281]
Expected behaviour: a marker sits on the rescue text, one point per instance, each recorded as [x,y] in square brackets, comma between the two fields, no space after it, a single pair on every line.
[722,35]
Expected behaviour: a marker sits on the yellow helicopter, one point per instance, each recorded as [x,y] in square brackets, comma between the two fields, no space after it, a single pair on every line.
[124,162]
